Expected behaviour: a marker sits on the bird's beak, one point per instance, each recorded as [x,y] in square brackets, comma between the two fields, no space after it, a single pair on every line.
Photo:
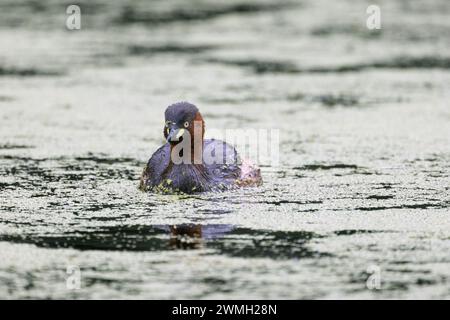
[175,134]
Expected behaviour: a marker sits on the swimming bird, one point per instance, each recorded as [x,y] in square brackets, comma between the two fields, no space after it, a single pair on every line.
[188,163]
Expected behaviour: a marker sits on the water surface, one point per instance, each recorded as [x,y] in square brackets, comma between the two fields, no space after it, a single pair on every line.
[363,178]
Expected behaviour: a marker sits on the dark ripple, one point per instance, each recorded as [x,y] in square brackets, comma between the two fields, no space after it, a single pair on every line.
[131,238]
[28,72]
[172,48]
[329,100]
[353,30]
[6,99]
[237,117]
[32,172]
[223,239]
[280,202]
[272,66]
[380,197]
[276,245]
[353,232]
[439,205]
[131,15]
[402,62]
[9,146]
[103,159]
[315,167]
[258,66]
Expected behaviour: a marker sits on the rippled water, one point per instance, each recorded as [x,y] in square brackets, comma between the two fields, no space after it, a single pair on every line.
[363,179]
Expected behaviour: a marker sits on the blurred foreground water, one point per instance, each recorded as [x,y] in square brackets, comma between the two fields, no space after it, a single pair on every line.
[363,180]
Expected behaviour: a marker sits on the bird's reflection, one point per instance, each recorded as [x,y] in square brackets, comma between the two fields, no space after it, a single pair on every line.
[193,236]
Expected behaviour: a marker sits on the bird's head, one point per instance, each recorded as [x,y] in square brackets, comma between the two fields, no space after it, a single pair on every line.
[181,119]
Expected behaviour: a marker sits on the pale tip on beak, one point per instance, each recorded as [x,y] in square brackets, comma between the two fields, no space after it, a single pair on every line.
[179,133]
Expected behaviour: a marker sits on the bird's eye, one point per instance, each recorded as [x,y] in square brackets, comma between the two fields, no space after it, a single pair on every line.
[167,123]
[186,124]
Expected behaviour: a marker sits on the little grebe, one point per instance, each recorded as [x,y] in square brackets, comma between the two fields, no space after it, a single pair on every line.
[187,163]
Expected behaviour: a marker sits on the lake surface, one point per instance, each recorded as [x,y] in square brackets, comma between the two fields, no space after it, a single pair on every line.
[363,184]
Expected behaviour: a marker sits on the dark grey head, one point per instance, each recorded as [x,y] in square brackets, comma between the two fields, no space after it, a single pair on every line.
[179,117]
[180,112]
